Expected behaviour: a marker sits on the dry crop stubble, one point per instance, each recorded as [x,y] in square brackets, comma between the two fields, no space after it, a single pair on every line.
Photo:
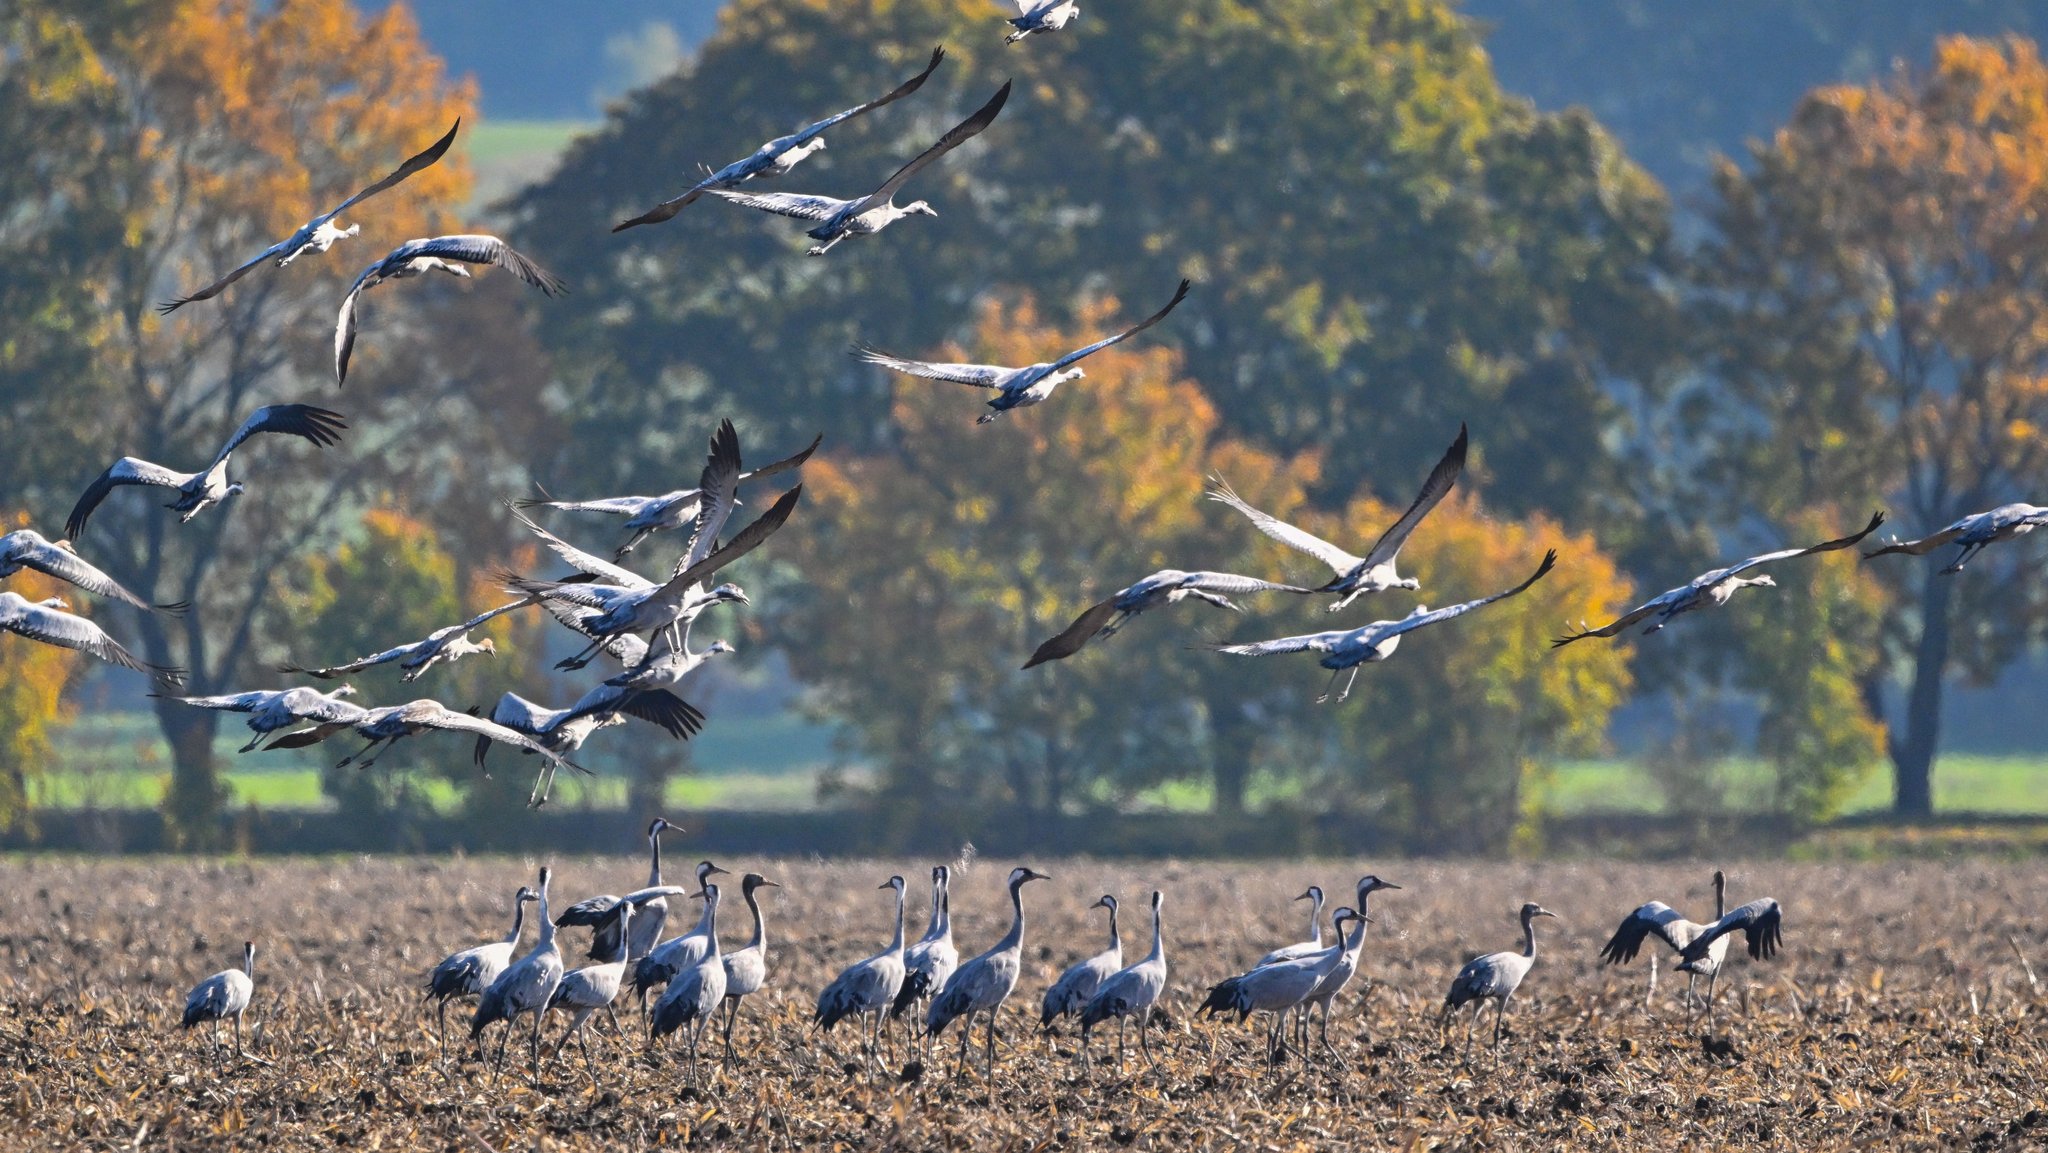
[1899,1015]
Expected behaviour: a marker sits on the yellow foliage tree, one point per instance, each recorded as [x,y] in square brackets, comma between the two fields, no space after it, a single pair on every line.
[32,680]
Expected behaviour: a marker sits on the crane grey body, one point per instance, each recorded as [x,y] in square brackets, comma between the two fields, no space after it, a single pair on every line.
[1664,922]
[1495,977]
[1165,587]
[1711,589]
[650,913]
[839,219]
[929,964]
[1016,387]
[746,968]
[449,644]
[980,986]
[1077,986]
[1973,534]
[1325,993]
[210,485]
[271,710]
[469,972]
[778,156]
[28,549]
[526,986]
[647,515]
[320,233]
[694,995]
[1375,571]
[1350,648]
[224,997]
[866,989]
[417,257]
[583,991]
[1761,923]
[1130,993]
[1279,988]
[48,621]
[670,957]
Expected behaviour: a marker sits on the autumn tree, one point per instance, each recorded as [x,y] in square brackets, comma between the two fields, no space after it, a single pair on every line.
[1876,304]
[934,568]
[202,131]
[32,680]
[1381,234]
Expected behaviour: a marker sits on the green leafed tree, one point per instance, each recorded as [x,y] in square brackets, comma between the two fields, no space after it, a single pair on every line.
[1381,236]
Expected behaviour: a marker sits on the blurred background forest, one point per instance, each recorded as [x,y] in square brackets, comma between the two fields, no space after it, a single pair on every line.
[1704,280]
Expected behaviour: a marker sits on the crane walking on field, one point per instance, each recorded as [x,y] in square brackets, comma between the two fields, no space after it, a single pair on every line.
[1130,993]
[1279,988]
[928,964]
[1347,963]
[693,997]
[672,956]
[1495,977]
[224,996]
[586,990]
[984,983]
[1761,923]
[469,972]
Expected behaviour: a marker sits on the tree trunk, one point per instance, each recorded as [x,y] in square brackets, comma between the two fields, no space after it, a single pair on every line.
[1233,740]
[193,803]
[1913,752]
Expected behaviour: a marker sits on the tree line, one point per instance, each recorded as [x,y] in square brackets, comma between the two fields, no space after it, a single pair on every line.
[1385,243]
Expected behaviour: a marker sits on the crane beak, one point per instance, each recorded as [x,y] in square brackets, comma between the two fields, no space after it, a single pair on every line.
[1306,897]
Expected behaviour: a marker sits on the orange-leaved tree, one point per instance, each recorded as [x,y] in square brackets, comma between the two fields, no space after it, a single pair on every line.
[1876,306]
[205,130]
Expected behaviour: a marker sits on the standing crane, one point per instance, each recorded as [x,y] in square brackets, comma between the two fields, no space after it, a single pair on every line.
[469,972]
[746,969]
[1495,977]
[650,914]
[928,964]
[1277,989]
[224,996]
[1076,987]
[672,956]
[585,990]
[1674,930]
[1347,962]
[526,986]
[1314,896]
[1761,923]
[984,983]
[867,988]
[1131,992]
[693,997]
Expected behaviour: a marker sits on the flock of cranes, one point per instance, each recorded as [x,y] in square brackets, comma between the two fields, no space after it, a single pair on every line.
[928,988]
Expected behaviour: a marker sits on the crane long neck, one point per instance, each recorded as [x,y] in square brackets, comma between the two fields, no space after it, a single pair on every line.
[1158,937]
[1357,933]
[760,940]
[931,927]
[1015,937]
[1529,937]
[1116,943]
[1720,900]
[1315,918]
[518,919]
[547,923]
[705,921]
[945,913]
[896,942]
[711,926]
[654,867]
